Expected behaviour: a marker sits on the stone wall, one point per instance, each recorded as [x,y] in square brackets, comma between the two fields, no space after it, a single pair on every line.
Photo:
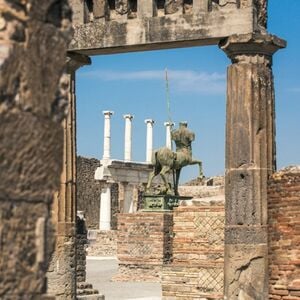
[81,243]
[89,191]
[33,40]
[198,253]
[284,234]
[144,245]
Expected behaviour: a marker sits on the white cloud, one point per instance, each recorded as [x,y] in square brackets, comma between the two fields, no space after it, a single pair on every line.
[180,80]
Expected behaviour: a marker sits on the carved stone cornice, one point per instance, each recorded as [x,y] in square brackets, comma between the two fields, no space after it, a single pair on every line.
[252,48]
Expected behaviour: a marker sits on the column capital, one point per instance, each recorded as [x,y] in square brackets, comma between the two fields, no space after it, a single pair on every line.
[107,113]
[128,116]
[169,124]
[75,61]
[149,121]
[240,47]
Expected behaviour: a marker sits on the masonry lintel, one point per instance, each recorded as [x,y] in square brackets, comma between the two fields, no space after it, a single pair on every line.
[169,31]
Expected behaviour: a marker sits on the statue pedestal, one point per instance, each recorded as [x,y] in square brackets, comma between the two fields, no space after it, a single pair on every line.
[161,202]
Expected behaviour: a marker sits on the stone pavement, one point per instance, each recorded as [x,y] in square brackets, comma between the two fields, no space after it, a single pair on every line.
[101,269]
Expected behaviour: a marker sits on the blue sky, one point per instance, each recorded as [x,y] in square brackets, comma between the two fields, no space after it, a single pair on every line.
[134,83]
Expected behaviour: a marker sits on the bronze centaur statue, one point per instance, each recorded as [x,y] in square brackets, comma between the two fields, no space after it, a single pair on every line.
[166,161]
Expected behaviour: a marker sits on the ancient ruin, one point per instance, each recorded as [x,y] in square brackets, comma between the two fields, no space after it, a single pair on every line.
[39,56]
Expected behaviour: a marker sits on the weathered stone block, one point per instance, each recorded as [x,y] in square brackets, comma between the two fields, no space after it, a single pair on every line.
[246,196]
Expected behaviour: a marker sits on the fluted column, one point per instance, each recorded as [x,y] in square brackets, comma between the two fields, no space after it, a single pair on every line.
[149,141]
[169,126]
[250,160]
[106,142]
[128,138]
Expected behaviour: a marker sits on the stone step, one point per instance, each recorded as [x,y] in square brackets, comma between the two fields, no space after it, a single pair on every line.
[84,285]
[91,291]
[91,297]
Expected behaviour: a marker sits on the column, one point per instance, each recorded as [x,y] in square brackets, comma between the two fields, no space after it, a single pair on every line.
[169,126]
[105,208]
[127,144]
[61,273]
[149,141]
[250,160]
[106,142]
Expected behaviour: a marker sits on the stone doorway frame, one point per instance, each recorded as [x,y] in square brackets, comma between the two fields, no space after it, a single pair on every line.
[250,154]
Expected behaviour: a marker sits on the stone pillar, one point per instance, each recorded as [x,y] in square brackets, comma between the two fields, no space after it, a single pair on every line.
[61,273]
[105,208]
[128,138]
[149,143]
[33,102]
[106,142]
[250,160]
[169,126]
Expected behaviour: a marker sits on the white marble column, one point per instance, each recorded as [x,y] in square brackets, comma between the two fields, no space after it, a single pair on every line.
[106,143]
[169,126]
[149,141]
[105,208]
[127,145]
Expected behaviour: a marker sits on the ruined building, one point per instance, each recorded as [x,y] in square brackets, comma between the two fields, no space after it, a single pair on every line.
[39,56]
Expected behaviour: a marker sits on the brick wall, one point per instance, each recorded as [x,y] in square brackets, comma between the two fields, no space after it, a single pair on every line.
[144,245]
[102,243]
[284,234]
[198,254]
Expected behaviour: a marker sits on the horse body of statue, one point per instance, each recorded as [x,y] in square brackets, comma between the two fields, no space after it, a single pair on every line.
[166,161]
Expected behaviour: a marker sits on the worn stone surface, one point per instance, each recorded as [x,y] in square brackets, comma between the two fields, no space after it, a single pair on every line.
[88,190]
[167,31]
[100,9]
[250,160]
[62,275]
[82,287]
[32,105]
[284,234]
[173,6]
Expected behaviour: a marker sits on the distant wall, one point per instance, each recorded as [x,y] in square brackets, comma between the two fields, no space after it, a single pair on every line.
[89,192]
